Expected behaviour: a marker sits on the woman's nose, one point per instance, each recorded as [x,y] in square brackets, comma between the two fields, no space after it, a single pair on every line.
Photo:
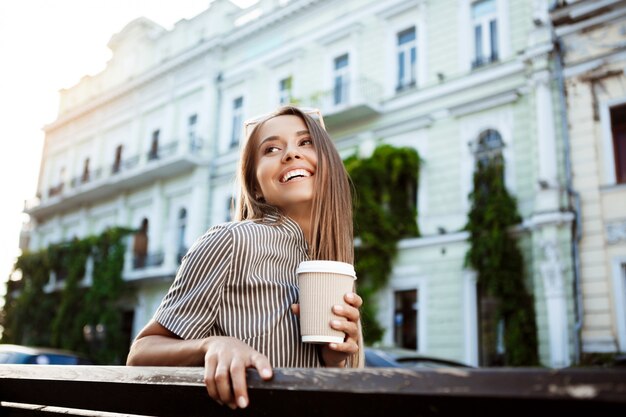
[291,153]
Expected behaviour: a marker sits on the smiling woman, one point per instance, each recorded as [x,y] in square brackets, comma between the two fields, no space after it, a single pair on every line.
[233,303]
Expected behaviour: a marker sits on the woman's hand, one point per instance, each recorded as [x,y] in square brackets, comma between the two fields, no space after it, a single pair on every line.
[225,364]
[335,354]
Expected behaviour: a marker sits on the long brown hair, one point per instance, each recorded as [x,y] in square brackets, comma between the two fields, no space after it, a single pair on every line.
[331,212]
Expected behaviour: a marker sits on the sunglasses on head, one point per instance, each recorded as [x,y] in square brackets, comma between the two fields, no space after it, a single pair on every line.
[249,124]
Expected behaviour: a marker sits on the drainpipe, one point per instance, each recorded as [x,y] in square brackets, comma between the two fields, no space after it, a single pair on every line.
[573,197]
[216,136]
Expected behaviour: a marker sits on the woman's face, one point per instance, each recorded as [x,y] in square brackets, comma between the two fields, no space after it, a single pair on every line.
[286,164]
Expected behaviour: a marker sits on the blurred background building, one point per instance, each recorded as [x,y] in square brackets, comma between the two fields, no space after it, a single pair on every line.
[152,143]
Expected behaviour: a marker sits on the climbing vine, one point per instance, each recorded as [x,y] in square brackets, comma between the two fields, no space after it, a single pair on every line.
[385,211]
[498,262]
[57,319]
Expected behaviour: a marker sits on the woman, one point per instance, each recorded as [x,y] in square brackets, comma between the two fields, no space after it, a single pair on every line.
[233,302]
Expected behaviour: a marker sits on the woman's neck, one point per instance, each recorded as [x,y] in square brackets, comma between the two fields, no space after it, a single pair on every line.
[303,218]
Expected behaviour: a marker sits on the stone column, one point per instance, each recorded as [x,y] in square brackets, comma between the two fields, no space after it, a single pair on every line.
[556,304]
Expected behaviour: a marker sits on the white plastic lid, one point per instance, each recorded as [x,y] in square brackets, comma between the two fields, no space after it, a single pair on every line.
[327,266]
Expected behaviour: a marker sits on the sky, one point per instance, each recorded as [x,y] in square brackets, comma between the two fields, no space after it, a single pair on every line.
[46,46]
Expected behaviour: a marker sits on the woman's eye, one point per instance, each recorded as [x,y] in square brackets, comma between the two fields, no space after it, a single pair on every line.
[271,149]
[306,142]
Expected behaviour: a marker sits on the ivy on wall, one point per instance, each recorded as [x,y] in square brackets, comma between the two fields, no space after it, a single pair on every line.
[495,256]
[57,319]
[385,186]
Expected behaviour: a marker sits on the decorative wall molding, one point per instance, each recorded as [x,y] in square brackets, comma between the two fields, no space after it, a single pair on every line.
[616,232]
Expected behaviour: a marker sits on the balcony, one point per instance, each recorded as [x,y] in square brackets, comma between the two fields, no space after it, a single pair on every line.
[349,101]
[166,161]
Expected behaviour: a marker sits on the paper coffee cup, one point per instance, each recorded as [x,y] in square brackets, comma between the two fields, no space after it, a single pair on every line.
[322,285]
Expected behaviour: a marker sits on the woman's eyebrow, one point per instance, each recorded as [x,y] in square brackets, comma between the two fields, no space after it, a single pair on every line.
[268,139]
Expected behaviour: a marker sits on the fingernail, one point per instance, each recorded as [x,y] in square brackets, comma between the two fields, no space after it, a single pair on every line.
[338,308]
[266,373]
[232,406]
[242,402]
[333,345]
[350,295]
[335,323]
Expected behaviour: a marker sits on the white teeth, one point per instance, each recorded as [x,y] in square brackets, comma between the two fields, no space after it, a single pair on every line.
[295,173]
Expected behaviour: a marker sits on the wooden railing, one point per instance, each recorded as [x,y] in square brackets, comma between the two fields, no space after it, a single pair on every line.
[27,390]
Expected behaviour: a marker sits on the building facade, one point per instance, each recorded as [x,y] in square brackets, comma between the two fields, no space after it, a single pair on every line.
[592,39]
[152,143]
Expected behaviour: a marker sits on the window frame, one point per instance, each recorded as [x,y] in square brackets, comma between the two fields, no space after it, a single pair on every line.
[408,68]
[610,175]
[237,116]
[619,299]
[466,33]
[487,37]
[402,279]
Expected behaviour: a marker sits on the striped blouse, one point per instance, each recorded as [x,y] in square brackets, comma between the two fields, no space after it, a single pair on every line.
[239,280]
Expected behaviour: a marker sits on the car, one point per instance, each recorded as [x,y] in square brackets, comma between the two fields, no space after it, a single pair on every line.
[394,357]
[17,354]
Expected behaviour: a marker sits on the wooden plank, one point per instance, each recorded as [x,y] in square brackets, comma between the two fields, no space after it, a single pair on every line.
[375,391]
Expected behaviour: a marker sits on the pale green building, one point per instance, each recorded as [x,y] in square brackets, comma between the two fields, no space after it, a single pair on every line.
[435,75]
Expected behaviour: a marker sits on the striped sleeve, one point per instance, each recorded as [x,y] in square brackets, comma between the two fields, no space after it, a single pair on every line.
[190,307]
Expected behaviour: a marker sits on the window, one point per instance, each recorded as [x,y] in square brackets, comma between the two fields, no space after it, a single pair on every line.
[85,176]
[405,319]
[237,119]
[284,91]
[230,209]
[341,80]
[140,245]
[485,27]
[118,159]
[618,130]
[407,57]
[192,123]
[182,228]
[154,146]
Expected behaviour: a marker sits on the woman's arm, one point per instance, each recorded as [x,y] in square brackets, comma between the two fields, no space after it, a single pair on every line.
[225,360]
[157,346]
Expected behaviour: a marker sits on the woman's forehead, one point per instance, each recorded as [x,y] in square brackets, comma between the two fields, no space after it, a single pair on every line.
[278,125]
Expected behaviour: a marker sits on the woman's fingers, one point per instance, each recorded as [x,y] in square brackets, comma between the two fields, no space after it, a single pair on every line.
[225,370]
[238,378]
[348,347]
[223,383]
[353,299]
[295,309]
[209,378]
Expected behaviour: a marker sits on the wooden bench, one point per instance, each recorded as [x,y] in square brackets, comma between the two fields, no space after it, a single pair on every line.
[27,390]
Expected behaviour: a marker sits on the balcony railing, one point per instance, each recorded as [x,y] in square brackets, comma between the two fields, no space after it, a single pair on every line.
[168,161]
[348,101]
[86,178]
[480,61]
[125,165]
[163,151]
[56,190]
[33,390]
[148,261]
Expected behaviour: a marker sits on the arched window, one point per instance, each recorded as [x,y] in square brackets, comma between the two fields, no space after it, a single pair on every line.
[488,147]
[181,230]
